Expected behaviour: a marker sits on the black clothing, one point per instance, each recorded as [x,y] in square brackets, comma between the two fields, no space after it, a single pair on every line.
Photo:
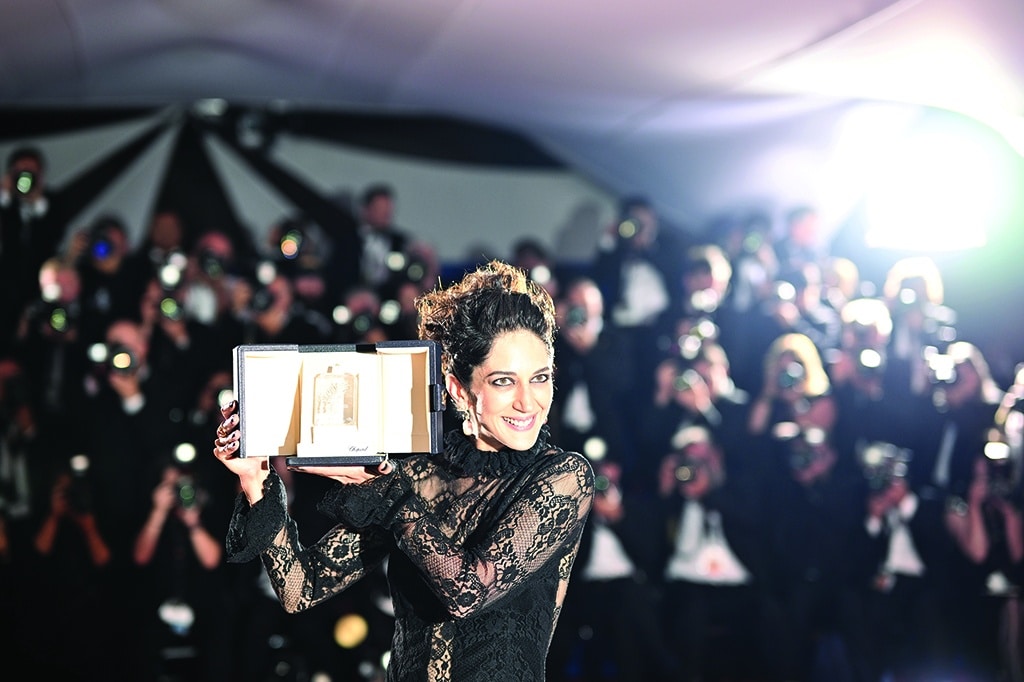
[480,548]
[605,376]
[30,233]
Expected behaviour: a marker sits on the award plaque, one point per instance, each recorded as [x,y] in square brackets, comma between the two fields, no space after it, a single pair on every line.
[350,404]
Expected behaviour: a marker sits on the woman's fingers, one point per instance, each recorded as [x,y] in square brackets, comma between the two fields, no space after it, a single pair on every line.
[227,426]
[229,408]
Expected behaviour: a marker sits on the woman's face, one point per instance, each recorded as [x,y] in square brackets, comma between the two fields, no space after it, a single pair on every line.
[510,393]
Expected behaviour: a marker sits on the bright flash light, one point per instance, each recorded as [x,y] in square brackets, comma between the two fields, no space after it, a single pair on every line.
[997,451]
[395,261]
[59,319]
[390,311]
[628,229]
[185,452]
[50,292]
[225,396]
[871,358]
[541,274]
[121,360]
[595,448]
[97,352]
[290,244]
[350,631]
[170,274]
[342,314]
[940,190]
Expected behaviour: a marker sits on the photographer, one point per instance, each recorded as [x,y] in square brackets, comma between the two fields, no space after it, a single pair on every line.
[593,406]
[901,558]
[795,390]
[386,248]
[965,398]
[73,585]
[713,564]
[610,627]
[357,318]
[111,283]
[480,538]
[985,522]
[813,503]
[872,392]
[271,314]
[637,264]
[914,292]
[132,402]
[184,584]
[697,390]
[30,232]
[51,348]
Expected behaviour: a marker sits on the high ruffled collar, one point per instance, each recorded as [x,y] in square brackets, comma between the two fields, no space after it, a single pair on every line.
[465,460]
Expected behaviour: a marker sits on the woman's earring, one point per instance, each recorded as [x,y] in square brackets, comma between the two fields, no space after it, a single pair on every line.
[467,427]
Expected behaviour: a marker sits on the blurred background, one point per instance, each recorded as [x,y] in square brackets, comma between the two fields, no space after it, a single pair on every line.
[738,189]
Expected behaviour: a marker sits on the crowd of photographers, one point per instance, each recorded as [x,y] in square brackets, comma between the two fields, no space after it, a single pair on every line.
[801,475]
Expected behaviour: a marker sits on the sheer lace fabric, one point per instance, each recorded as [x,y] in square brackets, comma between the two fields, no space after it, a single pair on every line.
[480,546]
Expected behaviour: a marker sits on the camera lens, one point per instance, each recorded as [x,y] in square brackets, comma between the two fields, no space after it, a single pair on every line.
[101,248]
[122,360]
[171,309]
[291,244]
[24,182]
[186,492]
[576,316]
[791,375]
[262,300]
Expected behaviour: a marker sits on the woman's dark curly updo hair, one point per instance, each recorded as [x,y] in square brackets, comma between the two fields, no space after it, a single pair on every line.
[467,317]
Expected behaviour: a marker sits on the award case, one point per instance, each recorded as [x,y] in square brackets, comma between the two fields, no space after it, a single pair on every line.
[343,404]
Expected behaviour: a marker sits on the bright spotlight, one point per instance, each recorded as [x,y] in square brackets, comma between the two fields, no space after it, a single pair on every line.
[942,189]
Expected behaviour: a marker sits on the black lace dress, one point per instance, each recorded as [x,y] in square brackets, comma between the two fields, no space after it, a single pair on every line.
[480,547]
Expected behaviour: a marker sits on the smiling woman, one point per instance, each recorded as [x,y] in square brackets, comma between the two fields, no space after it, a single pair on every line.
[480,539]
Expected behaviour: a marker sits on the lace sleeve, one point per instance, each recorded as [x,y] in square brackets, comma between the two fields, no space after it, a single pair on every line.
[544,522]
[302,576]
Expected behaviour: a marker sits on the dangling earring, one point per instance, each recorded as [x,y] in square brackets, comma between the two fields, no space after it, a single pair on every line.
[467,427]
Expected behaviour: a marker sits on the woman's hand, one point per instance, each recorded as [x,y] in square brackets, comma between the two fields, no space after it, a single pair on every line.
[251,471]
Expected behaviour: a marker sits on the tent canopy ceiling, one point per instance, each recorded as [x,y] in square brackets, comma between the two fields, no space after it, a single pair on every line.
[678,100]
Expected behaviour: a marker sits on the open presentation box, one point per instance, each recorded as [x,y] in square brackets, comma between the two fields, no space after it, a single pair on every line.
[348,404]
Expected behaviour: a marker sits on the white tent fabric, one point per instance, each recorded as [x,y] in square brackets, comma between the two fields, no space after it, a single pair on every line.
[674,99]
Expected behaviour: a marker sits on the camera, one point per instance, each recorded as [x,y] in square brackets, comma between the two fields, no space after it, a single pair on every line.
[629,228]
[576,316]
[790,375]
[801,447]
[883,463]
[24,182]
[941,366]
[101,245]
[687,379]
[1003,474]
[688,469]
[188,494]
[263,297]
[171,271]
[121,360]
[171,309]
[355,326]
[116,358]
